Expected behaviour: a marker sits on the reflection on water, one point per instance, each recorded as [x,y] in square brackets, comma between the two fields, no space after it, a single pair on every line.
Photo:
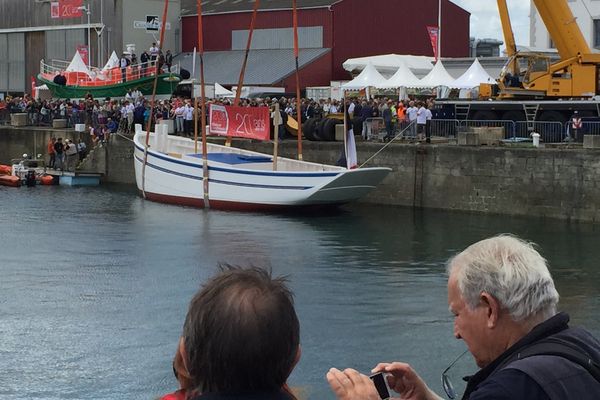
[95,285]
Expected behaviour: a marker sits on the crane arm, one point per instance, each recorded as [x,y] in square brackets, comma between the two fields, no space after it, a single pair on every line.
[562,27]
[507,31]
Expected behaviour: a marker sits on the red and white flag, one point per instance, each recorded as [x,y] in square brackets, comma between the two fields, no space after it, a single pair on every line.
[434,32]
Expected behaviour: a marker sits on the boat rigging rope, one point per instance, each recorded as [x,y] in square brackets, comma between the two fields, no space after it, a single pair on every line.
[157,71]
[400,134]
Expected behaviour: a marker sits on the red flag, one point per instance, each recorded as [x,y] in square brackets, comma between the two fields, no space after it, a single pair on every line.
[82,49]
[433,36]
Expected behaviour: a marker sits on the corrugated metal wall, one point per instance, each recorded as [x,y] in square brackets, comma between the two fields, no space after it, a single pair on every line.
[61,45]
[279,38]
[12,62]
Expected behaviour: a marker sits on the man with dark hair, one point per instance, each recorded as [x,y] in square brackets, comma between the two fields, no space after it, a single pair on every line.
[241,338]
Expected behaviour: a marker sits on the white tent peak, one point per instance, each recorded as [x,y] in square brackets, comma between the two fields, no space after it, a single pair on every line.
[220,91]
[367,78]
[473,76]
[387,64]
[403,77]
[112,62]
[77,64]
[437,77]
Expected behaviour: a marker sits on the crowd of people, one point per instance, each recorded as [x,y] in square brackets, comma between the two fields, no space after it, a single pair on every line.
[241,336]
[366,117]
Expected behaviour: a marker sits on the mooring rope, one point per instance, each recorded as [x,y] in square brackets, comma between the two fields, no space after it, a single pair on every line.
[400,134]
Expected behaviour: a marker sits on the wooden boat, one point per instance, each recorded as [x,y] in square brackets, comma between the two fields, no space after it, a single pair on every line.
[240,179]
[75,80]
[10,180]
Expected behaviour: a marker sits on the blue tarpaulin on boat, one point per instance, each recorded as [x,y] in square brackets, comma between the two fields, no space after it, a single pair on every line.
[232,158]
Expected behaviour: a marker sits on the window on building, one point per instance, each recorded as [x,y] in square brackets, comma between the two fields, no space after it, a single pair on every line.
[597,33]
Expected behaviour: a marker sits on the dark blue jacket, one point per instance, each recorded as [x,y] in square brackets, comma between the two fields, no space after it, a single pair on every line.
[539,377]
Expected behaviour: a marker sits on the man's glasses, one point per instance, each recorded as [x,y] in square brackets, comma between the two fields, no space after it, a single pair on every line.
[446,383]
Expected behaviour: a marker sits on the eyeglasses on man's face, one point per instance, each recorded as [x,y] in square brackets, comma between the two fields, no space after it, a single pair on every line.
[447,383]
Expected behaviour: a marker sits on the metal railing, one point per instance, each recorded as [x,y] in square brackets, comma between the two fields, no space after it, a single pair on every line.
[550,132]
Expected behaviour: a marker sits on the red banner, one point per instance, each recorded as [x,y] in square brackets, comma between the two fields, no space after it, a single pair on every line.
[244,122]
[433,36]
[66,9]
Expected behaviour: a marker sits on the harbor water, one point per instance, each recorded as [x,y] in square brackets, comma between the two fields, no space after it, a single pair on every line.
[95,283]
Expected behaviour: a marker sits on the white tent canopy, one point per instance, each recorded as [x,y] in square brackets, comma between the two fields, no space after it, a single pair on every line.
[472,77]
[369,77]
[112,62]
[77,64]
[220,91]
[387,64]
[437,77]
[404,77]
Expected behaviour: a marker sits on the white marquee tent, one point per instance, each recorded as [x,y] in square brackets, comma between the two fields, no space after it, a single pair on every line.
[387,64]
[220,91]
[77,64]
[369,77]
[437,77]
[403,77]
[475,75]
[112,62]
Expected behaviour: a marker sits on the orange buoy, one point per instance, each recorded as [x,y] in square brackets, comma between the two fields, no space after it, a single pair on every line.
[47,180]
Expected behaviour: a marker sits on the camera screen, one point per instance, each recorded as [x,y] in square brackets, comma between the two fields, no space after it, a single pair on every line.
[379,382]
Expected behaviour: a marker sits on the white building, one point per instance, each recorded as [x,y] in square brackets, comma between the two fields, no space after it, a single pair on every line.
[587,13]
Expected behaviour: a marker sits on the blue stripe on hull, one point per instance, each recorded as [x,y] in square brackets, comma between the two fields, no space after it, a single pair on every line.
[199,178]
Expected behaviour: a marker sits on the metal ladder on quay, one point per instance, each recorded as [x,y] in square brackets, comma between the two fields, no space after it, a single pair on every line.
[531,111]
[461,111]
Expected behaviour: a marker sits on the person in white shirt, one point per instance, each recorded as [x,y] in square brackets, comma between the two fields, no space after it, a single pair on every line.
[153,54]
[179,127]
[412,117]
[428,116]
[188,115]
[421,120]
[124,62]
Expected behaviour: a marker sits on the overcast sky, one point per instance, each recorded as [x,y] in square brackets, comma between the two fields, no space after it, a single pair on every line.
[485,22]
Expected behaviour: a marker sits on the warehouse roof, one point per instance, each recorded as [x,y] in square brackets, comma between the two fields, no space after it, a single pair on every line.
[188,7]
[265,67]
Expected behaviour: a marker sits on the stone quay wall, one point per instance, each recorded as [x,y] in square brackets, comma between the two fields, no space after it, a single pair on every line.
[555,183]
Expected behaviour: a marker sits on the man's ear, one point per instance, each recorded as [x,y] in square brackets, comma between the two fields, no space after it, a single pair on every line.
[492,308]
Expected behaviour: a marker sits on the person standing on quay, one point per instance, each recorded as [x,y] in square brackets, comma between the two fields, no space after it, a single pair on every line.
[51,152]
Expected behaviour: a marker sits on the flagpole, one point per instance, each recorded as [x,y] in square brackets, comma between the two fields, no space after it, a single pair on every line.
[203,112]
[439,42]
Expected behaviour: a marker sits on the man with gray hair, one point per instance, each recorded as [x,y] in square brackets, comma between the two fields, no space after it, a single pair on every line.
[504,302]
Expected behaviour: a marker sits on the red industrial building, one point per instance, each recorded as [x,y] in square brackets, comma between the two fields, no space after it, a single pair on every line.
[330,32]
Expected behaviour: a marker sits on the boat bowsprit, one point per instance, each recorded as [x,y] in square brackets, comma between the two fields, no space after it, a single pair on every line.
[240,179]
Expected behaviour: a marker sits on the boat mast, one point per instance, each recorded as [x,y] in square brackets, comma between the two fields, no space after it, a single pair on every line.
[238,92]
[156,73]
[298,105]
[203,113]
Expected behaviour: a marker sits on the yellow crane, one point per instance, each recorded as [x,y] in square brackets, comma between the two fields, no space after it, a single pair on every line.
[534,75]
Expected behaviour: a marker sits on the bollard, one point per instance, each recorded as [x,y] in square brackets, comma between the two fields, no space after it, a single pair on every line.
[536,139]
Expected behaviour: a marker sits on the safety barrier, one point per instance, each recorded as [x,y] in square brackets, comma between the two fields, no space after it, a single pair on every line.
[550,132]
[447,128]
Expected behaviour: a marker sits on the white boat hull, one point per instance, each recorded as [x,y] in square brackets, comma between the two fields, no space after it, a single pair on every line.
[240,179]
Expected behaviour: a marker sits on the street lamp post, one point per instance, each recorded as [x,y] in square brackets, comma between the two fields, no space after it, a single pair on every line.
[89,26]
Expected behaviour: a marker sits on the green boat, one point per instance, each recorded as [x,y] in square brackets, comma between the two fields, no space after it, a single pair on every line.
[75,80]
